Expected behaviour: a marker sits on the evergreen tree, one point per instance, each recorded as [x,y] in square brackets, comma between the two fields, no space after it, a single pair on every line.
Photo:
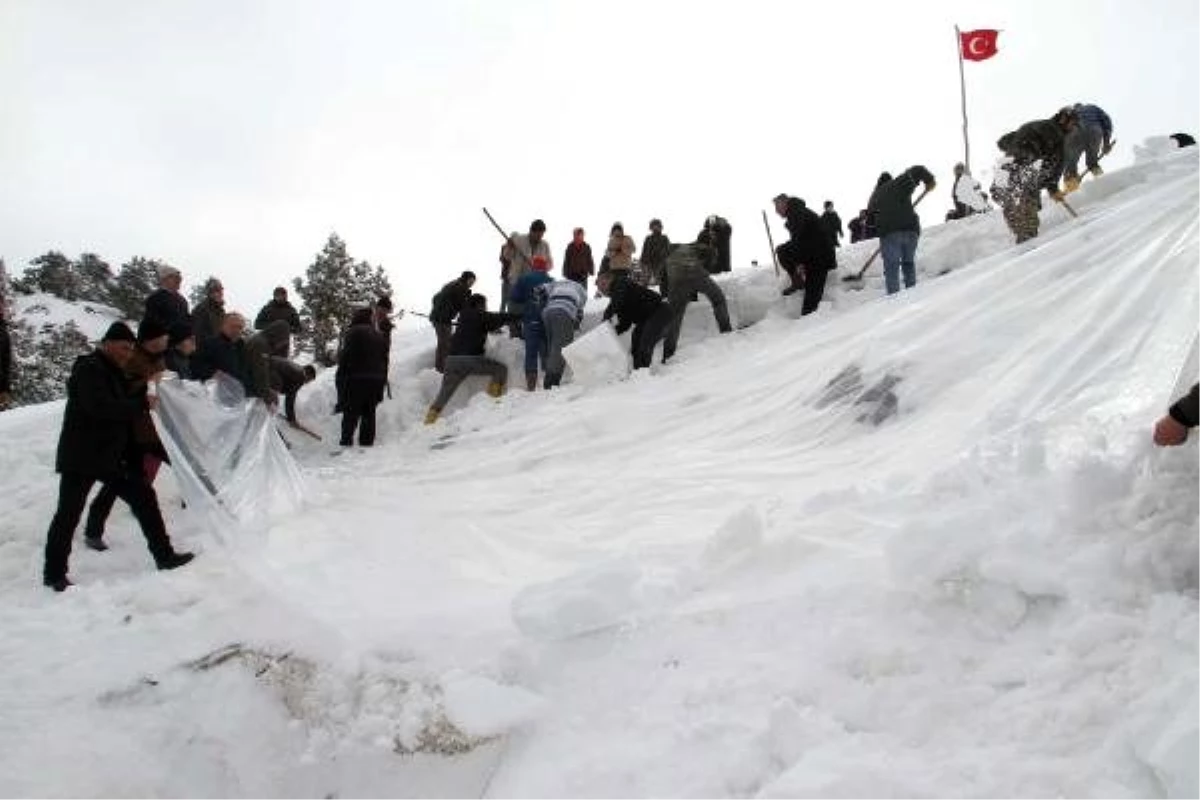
[95,278]
[44,361]
[137,279]
[334,285]
[52,273]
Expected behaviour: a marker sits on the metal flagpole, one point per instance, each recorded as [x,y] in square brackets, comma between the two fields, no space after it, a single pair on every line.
[962,82]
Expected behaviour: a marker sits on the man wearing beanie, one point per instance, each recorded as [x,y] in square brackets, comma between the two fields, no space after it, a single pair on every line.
[94,446]
[166,305]
[209,313]
[450,299]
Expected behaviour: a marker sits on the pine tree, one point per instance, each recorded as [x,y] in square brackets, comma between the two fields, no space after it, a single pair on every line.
[95,278]
[44,361]
[52,273]
[137,279]
[335,285]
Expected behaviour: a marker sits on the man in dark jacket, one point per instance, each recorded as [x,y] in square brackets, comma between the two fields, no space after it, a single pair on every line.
[858,227]
[1183,415]
[1034,162]
[258,351]
[362,374]
[181,345]
[94,446]
[447,303]
[688,274]
[578,263]
[288,378]
[655,249]
[279,309]
[639,308]
[899,226]
[166,306]
[467,347]
[6,360]
[808,255]
[833,224]
[721,238]
[209,312]
[225,352]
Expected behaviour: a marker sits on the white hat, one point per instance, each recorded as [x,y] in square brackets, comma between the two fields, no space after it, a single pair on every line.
[166,271]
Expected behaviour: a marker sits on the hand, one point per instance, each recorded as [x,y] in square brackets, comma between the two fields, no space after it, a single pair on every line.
[929,187]
[1168,432]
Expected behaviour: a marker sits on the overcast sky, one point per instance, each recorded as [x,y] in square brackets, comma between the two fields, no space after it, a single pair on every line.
[231,138]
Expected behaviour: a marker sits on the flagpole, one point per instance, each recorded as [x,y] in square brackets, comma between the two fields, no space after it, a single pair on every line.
[962,82]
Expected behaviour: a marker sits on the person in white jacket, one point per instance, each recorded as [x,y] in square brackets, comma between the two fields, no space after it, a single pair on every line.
[520,252]
[561,315]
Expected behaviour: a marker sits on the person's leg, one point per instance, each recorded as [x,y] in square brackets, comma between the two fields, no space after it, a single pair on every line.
[443,332]
[457,369]
[1073,147]
[908,257]
[534,343]
[497,372]
[678,298]
[708,287]
[143,502]
[654,330]
[366,428]
[814,290]
[72,497]
[97,516]
[889,249]
[560,329]
[1093,141]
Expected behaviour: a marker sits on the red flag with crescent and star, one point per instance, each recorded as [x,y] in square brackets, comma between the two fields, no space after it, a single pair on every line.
[978,45]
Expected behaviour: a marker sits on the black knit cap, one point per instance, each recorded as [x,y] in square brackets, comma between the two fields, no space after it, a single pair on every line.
[118,332]
[179,331]
[537,225]
[150,329]
[467,275]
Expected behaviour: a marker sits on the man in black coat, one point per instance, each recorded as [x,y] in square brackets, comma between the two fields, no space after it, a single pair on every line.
[279,310]
[447,303]
[361,375]
[899,226]
[808,255]
[833,224]
[1035,162]
[95,446]
[655,249]
[6,359]
[288,378]
[467,348]
[721,237]
[639,308]
[166,306]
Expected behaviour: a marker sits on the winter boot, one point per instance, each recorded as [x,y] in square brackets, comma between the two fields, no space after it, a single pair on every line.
[175,560]
[1070,184]
[96,543]
[1096,171]
[58,584]
[530,381]
[495,389]
[431,416]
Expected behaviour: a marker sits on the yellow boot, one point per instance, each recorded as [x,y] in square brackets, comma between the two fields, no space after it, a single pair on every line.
[495,389]
[431,416]
[1070,184]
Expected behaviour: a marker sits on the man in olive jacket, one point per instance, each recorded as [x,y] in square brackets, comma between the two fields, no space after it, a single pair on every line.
[94,446]
[279,310]
[899,226]
[451,299]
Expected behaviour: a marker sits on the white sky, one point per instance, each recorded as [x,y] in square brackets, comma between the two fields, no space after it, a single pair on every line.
[231,137]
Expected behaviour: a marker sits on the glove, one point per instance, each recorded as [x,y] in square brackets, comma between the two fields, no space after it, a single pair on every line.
[929,187]
[1106,149]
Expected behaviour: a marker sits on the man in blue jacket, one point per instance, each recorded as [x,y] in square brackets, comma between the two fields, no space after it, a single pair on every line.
[1091,138]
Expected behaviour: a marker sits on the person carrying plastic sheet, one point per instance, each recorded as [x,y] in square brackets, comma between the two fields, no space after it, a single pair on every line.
[94,446]
[279,308]
[1034,162]
[899,226]
[532,329]
[362,375]
[447,303]
[562,314]
[1173,428]
[165,305]
[467,347]
[144,366]
[687,274]
[224,352]
[639,308]
[808,255]
[1091,138]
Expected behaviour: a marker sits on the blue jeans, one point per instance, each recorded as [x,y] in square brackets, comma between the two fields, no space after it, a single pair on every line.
[535,344]
[899,253]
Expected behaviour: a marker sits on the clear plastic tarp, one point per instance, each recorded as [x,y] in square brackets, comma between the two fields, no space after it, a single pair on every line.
[231,464]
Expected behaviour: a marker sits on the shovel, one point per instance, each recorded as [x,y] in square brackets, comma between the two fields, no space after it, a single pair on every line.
[857,277]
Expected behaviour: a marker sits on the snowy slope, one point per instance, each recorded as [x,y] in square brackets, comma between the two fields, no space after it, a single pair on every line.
[917,545]
[40,309]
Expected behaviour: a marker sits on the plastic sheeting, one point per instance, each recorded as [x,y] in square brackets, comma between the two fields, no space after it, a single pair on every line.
[232,466]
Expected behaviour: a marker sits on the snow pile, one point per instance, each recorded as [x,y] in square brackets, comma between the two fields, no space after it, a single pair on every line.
[916,545]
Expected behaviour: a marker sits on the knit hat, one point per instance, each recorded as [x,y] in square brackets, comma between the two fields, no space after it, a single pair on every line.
[150,329]
[656,223]
[467,276]
[541,264]
[166,270]
[179,331]
[118,332]
[537,225]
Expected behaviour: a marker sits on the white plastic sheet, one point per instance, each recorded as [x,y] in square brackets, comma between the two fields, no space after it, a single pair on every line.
[597,357]
[232,467]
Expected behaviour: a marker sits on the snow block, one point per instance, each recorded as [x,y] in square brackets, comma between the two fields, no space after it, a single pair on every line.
[584,602]
[597,357]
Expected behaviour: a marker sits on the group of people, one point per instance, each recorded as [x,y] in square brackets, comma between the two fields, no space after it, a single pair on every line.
[108,436]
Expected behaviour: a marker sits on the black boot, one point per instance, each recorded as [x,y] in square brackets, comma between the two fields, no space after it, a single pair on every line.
[175,560]
[57,584]
[96,543]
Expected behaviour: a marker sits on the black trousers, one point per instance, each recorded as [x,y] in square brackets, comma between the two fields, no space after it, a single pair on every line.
[72,497]
[358,410]
[814,289]
[649,333]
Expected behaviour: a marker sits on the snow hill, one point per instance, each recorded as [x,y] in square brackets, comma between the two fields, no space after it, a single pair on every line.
[908,546]
[40,309]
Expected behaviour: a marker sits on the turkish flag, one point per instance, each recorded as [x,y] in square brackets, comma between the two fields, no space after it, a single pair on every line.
[978,45]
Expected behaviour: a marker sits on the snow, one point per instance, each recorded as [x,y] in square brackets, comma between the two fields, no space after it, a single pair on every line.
[40,309]
[917,545]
